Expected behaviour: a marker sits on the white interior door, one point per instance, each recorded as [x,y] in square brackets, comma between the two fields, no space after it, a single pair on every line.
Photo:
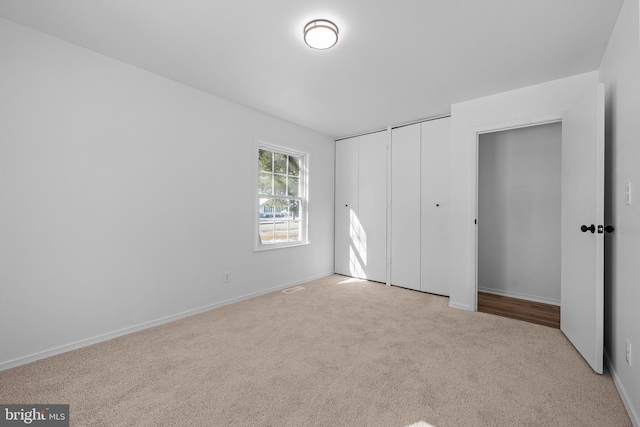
[405,207]
[372,206]
[582,253]
[346,199]
[434,211]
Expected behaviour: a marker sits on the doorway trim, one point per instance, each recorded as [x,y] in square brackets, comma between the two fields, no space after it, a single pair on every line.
[490,128]
[528,105]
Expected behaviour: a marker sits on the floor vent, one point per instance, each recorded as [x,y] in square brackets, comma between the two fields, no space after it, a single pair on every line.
[292,290]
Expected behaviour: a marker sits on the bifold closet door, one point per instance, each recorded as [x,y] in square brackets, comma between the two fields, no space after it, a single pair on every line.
[370,224]
[434,251]
[346,200]
[361,212]
[405,207]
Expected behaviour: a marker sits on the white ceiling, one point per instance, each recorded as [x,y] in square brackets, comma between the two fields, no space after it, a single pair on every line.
[396,61]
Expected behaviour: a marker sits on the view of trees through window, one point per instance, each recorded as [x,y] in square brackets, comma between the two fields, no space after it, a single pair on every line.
[281,196]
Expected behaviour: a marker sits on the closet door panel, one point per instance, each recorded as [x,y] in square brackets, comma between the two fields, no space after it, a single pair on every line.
[371,224]
[346,202]
[436,136]
[405,207]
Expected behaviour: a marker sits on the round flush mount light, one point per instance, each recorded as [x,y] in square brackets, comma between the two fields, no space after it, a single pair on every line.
[320,34]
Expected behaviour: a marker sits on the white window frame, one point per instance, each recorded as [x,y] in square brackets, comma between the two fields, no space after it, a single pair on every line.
[302,196]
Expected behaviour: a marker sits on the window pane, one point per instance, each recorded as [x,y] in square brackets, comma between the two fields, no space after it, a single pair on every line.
[265,185]
[265,161]
[293,221]
[294,209]
[266,232]
[275,208]
[279,221]
[280,163]
[294,230]
[294,165]
[280,184]
[294,187]
[267,210]
[266,216]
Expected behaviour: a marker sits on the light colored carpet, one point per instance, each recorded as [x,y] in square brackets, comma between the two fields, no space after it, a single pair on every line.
[341,352]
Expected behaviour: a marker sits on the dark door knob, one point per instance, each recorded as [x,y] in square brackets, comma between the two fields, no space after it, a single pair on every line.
[592,229]
[609,229]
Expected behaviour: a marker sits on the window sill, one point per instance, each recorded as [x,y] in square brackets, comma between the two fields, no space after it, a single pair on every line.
[280,246]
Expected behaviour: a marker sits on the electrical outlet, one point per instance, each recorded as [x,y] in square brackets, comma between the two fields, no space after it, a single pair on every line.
[627,352]
[226,278]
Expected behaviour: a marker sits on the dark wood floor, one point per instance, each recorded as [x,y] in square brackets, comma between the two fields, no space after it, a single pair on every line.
[529,311]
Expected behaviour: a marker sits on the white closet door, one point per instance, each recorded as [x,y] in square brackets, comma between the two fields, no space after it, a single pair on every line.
[346,200]
[371,221]
[405,207]
[436,136]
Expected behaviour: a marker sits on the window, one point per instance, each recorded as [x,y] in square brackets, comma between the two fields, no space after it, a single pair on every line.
[282,199]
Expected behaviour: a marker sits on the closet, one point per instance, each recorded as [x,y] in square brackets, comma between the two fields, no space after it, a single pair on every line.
[418,172]
[420,160]
[519,212]
[361,207]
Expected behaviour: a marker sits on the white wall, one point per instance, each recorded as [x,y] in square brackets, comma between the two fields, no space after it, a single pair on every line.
[519,212]
[534,104]
[620,71]
[125,196]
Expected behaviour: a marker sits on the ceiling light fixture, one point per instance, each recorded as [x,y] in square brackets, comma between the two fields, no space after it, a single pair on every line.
[321,34]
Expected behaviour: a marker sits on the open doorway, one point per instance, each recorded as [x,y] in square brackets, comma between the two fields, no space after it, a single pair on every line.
[519,223]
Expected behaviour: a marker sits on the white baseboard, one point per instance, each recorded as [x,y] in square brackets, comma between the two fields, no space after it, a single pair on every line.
[110,335]
[520,296]
[459,306]
[633,415]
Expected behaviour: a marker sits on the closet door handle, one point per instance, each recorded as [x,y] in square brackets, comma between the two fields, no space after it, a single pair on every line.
[592,229]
